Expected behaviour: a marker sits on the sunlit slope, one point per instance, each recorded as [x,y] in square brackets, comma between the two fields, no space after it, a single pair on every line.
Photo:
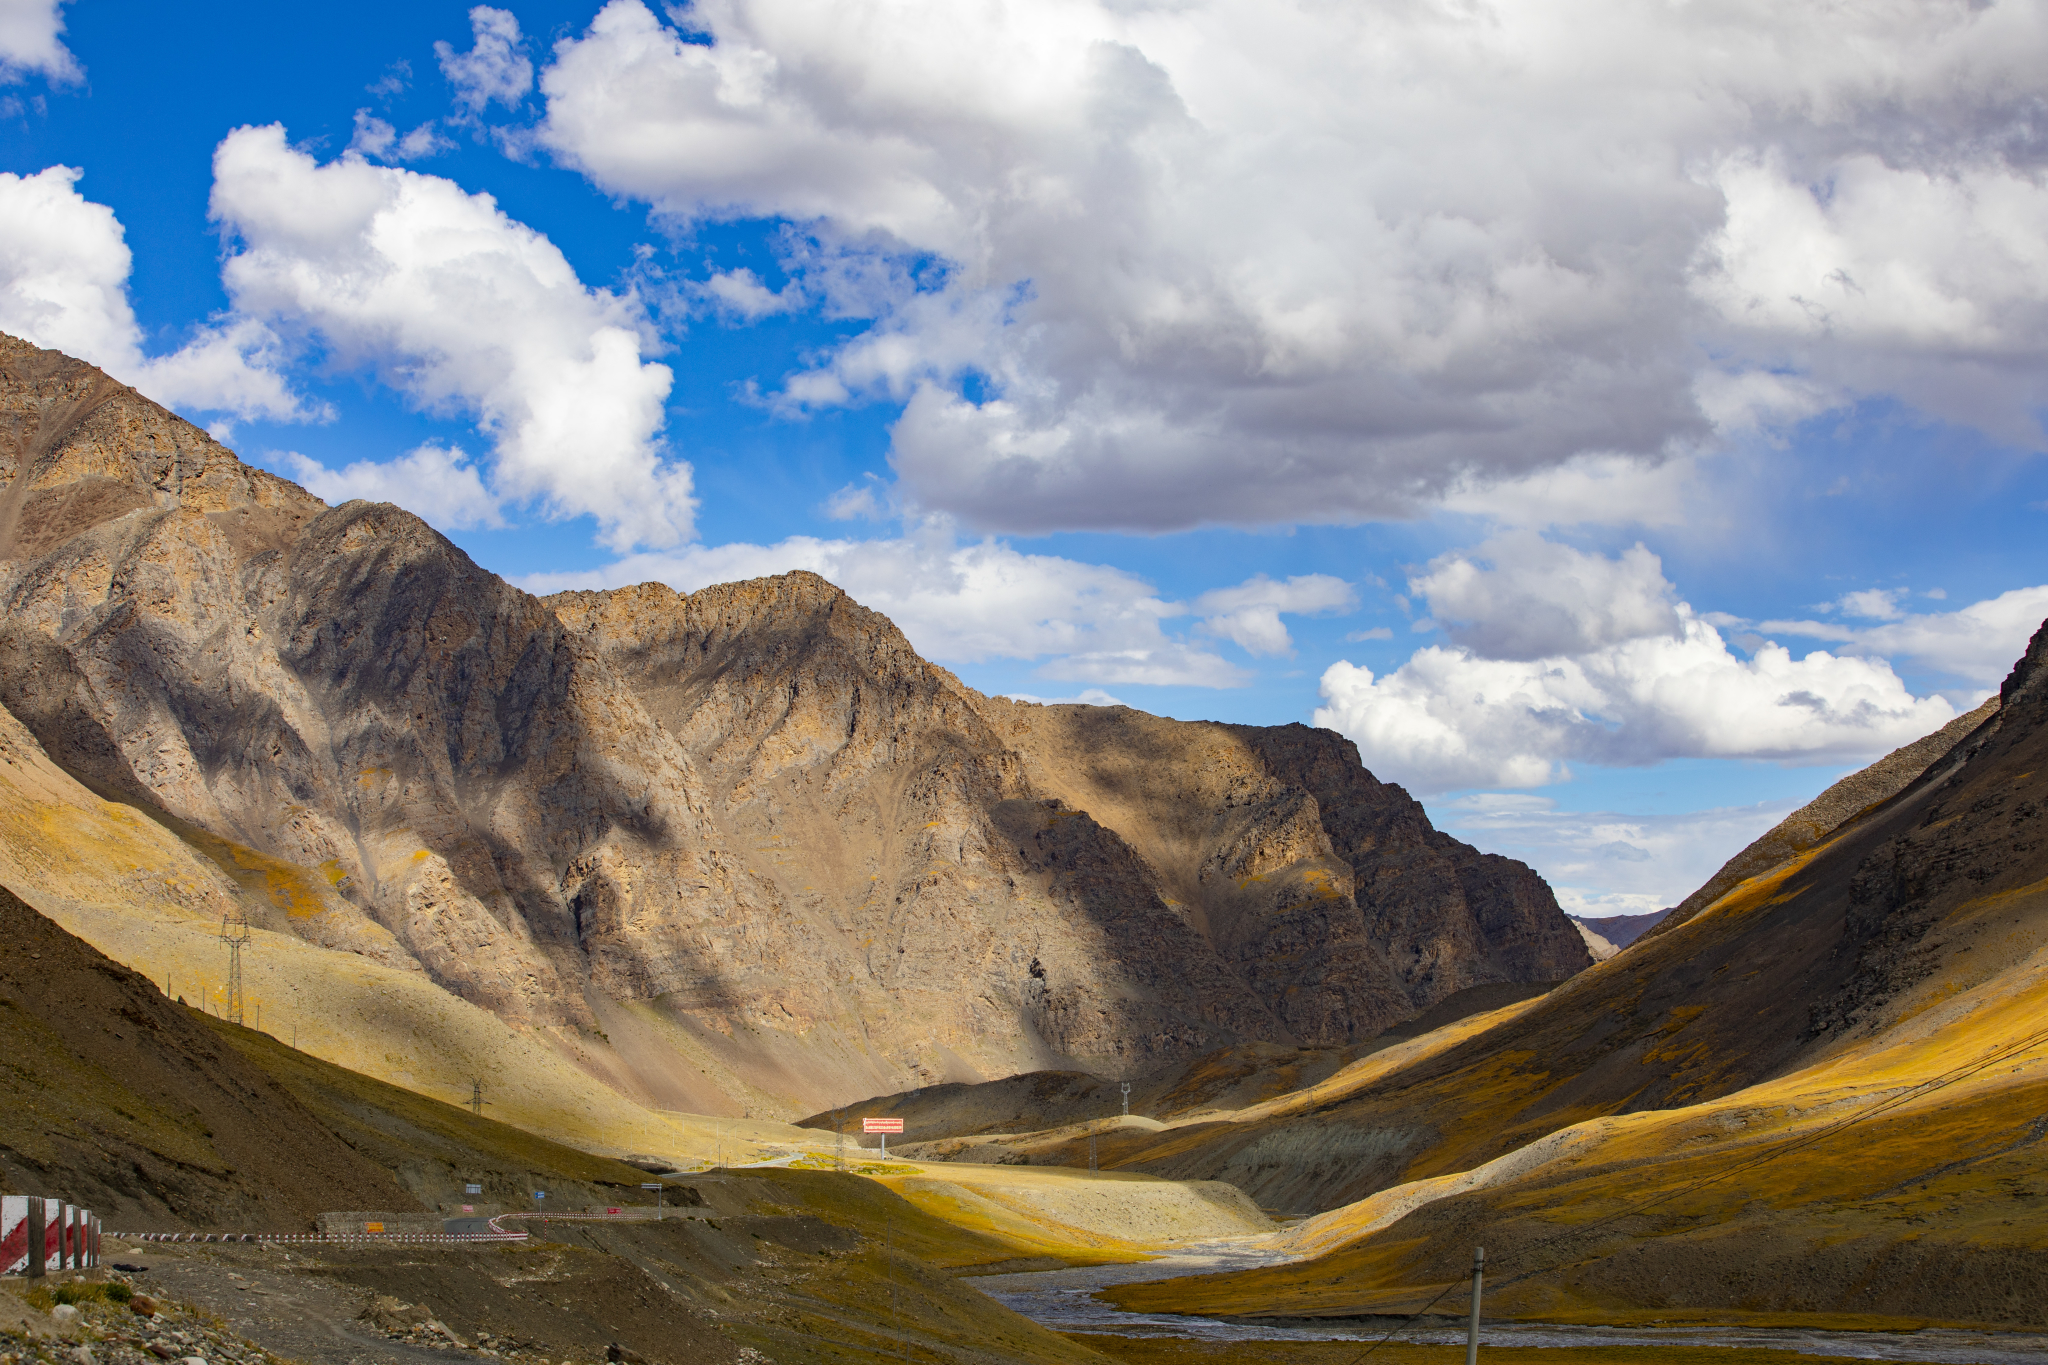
[1926,893]
[1119,1141]
[144,897]
[1891,982]
[161,1118]
[134,890]
[1839,1189]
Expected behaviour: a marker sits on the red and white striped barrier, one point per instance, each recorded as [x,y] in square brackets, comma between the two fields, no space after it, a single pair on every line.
[41,1235]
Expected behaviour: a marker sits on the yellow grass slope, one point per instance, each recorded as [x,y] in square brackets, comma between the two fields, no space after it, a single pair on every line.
[1824,1095]
[144,897]
[1860,1187]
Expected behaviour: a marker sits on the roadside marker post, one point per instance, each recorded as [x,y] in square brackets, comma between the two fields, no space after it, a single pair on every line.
[882,1127]
[1472,1329]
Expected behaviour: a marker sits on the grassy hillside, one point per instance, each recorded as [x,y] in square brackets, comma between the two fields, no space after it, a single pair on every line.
[129,1103]
[161,1118]
[319,972]
[1821,1095]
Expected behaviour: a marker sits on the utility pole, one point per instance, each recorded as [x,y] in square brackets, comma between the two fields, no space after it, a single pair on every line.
[1091,1152]
[1127,1099]
[476,1096]
[1472,1328]
[234,932]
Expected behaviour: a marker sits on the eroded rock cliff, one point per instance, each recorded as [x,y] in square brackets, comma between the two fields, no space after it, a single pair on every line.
[742,848]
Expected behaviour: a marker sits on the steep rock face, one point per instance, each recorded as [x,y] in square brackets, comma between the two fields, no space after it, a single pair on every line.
[1327,889]
[746,834]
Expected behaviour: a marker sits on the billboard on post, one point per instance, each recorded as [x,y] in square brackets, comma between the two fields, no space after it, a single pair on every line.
[881,1125]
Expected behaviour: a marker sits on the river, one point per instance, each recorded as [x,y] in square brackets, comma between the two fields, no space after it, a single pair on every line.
[1065,1301]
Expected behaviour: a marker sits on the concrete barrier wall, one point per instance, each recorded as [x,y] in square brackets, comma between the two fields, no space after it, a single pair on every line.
[39,1235]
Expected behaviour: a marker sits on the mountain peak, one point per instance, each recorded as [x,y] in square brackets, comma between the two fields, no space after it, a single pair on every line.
[750,822]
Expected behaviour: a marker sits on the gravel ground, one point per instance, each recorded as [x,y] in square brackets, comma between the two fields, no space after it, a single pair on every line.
[259,1305]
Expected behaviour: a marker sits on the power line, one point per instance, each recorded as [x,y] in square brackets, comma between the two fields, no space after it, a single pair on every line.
[1940,1081]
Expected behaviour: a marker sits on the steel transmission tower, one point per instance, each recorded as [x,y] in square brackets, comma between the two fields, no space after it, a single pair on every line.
[234,931]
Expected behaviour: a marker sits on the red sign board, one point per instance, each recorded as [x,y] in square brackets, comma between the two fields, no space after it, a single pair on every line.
[611,1210]
[881,1125]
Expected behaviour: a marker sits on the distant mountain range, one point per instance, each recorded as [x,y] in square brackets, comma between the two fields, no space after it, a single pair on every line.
[741,850]
[1607,935]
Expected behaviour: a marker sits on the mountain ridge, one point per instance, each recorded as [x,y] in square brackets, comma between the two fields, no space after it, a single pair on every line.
[691,840]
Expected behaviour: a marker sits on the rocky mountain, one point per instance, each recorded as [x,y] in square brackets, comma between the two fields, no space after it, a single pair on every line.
[736,849]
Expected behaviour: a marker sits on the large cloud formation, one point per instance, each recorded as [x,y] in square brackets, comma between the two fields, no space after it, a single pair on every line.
[1560,655]
[64,267]
[463,309]
[1243,261]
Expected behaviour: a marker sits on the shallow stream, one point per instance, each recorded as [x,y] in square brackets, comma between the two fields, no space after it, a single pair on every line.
[1065,1301]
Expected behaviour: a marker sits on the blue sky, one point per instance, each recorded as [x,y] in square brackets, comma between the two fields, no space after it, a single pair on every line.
[1620,429]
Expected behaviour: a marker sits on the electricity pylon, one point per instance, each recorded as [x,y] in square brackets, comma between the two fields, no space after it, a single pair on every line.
[234,931]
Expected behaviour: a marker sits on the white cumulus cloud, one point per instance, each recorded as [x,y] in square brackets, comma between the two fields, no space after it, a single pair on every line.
[741,293]
[1876,604]
[496,66]
[436,482]
[64,267]
[30,41]
[1244,261]
[375,137]
[1978,643]
[463,309]
[1519,596]
[1632,679]
[1249,613]
[1923,280]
